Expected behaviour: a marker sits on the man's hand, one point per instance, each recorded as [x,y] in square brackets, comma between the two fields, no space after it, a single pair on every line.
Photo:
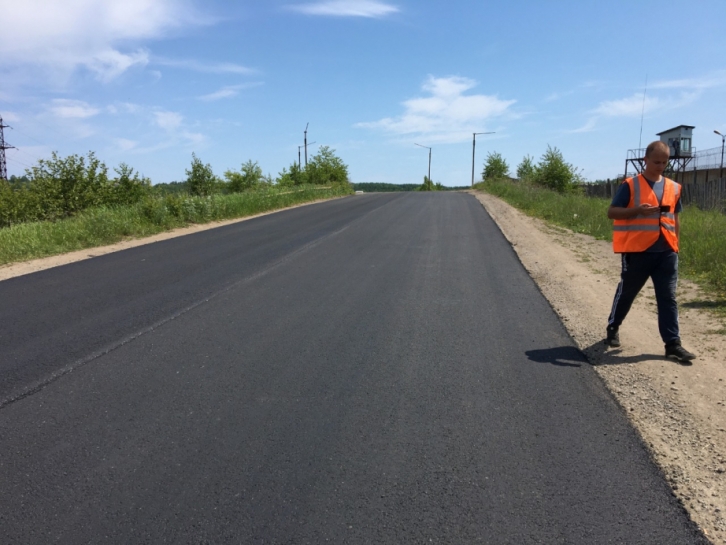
[647,210]
[621,213]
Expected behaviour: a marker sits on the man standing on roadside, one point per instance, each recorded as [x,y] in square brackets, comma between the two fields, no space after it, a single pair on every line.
[646,228]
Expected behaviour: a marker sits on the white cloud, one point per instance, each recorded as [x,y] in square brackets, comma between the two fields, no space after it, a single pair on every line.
[229,91]
[632,106]
[10,117]
[124,144]
[207,67]
[60,37]
[171,123]
[447,115]
[168,120]
[347,8]
[717,79]
[72,109]
[635,106]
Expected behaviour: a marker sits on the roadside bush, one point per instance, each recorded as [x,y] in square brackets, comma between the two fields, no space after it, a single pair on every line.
[67,185]
[292,177]
[248,177]
[200,178]
[129,187]
[326,168]
[495,167]
[554,173]
[526,169]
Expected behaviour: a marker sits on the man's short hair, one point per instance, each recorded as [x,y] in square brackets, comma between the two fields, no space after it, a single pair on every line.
[657,144]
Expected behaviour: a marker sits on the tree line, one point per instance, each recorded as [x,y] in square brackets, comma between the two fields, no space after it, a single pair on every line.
[61,187]
[552,171]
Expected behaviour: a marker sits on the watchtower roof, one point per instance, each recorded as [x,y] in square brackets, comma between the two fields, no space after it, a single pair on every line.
[676,128]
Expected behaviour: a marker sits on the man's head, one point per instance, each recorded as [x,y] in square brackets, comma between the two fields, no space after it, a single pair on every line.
[657,155]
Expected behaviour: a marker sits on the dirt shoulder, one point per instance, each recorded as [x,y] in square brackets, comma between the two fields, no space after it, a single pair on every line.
[678,410]
[26,267]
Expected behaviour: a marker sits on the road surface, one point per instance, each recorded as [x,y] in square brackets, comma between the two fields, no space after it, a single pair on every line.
[374,369]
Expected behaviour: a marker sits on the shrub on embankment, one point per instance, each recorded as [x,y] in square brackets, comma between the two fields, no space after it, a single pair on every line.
[703,233]
[108,224]
[69,203]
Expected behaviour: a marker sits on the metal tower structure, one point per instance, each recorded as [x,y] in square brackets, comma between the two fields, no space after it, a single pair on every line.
[3,147]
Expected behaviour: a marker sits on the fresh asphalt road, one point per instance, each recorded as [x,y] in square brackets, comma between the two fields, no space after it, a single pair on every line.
[374,369]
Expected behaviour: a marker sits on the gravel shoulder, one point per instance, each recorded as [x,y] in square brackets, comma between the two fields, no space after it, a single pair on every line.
[679,411]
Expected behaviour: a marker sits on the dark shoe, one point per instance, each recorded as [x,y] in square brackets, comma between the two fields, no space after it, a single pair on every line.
[678,353]
[613,337]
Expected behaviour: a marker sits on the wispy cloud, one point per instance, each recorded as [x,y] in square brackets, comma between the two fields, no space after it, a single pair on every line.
[168,121]
[206,67]
[447,114]
[636,105]
[102,36]
[631,106]
[172,123]
[717,79]
[72,109]
[229,91]
[347,8]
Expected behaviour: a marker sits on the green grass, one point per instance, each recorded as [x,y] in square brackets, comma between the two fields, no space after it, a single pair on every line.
[101,226]
[703,233]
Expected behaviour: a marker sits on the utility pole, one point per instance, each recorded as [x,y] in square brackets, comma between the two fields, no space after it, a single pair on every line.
[473,154]
[3,147]
[428,148]
[299,165]
[306,145]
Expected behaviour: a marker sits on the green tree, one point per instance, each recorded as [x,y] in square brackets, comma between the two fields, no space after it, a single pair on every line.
[495,167]
[427,185]
[525,170]
[249,176]
[555,173]
[326,168]
[128,187]
[200,178]
[66,185]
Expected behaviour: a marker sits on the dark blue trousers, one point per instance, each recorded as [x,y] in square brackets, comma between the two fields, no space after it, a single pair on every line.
[662,268]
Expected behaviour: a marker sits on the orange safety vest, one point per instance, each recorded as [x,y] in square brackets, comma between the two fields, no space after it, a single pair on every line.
[641,232]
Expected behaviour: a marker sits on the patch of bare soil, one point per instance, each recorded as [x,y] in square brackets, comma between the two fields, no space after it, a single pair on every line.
[26,267]
[678,410]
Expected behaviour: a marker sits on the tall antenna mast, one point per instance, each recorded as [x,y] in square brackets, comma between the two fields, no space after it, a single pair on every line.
[642,113]
[3,147]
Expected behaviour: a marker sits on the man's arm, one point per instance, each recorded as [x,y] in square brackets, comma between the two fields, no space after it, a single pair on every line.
[678,226]
[621,213]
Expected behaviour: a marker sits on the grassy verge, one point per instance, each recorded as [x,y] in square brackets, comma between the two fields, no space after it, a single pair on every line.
[703,233]
[100,226]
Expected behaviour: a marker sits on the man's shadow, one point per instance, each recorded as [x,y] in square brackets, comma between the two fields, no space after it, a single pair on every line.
[562,356]
[595,354]
[601,354]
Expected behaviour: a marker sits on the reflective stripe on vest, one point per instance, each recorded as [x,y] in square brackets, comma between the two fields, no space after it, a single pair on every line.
[641,232]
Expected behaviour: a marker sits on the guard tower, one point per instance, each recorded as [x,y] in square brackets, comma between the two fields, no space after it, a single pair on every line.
[680,142]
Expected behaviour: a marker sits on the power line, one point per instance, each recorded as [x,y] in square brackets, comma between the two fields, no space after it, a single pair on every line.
[13,160]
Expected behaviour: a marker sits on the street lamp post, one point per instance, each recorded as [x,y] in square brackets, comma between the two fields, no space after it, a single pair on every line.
[306,157]
[473,153]
[723,140]
[428,148]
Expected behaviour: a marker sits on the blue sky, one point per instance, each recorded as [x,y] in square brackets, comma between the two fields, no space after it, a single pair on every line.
[148,82]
